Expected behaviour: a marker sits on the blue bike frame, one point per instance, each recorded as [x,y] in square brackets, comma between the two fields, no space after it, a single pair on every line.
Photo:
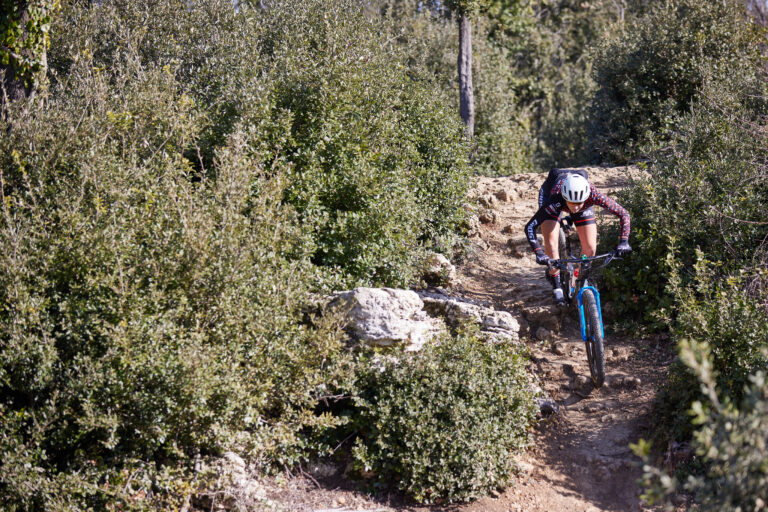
[581,311]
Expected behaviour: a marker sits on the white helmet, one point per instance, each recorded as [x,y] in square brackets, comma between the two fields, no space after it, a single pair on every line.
[575,188]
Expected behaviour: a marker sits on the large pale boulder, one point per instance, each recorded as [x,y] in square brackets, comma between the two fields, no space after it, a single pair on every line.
[386,316]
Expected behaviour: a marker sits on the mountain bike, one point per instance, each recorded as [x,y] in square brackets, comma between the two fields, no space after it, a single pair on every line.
[574,279]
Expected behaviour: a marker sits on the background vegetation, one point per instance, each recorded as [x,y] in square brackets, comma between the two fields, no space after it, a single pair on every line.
[689,97]
[193,172]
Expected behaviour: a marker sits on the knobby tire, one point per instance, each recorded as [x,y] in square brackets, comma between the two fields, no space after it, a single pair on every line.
[565,273]
[594,343]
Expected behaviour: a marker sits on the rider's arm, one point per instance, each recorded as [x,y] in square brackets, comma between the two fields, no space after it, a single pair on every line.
[615,208]
[549,211]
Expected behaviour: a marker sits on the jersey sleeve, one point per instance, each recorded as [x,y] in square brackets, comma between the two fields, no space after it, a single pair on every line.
[615,208]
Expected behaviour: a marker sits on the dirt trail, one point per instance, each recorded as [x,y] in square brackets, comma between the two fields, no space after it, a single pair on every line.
[580,459]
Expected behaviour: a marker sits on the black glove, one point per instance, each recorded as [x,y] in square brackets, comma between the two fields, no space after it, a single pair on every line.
[623,248]
[541,257]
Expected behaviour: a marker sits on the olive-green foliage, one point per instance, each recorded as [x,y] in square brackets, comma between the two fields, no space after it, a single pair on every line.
[145,315]
[469,7]
[550,44]
[503,143]
[705,190]
[378,161]
[698,225]
[729,438]
[162,207]
[654,69]
[444,423]
[733,324]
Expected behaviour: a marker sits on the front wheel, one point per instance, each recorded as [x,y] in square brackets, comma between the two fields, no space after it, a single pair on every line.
[594,343]
[565,273]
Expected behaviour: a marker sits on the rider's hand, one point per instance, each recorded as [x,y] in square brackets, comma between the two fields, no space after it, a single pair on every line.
[623,248]
[541,257]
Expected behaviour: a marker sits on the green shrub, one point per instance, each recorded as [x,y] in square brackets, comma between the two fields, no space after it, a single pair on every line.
[145,315]
[504,142]
[729,439]
[168,205]
[443,423]
[734,326]
[428,34]
[654,69]
[378,162]
[704,191]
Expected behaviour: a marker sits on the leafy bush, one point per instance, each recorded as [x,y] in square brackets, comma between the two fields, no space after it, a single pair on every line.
[709,179]
[427,33]
[145,315]
[165,207]
[734,326]
[378,161]
[729,439]
[654,70]
[443,423]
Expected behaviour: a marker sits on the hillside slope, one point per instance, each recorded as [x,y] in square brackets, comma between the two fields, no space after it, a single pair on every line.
[580,459]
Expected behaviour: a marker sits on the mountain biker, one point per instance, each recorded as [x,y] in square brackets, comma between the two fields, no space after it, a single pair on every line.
[569,191]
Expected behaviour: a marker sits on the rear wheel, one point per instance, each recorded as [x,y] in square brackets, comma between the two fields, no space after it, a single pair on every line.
[594,343]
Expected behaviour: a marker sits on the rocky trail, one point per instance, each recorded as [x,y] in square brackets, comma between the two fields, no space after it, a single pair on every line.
[580,459]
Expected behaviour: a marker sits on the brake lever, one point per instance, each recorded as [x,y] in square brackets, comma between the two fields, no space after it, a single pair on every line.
[612,256]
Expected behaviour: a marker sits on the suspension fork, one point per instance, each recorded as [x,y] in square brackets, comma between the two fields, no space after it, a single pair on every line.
[581,311]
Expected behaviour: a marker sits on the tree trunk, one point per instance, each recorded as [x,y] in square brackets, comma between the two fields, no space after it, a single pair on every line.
[466,95]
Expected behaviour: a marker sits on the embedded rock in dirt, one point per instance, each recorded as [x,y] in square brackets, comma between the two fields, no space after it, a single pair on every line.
[499,325]
[237,487]
[547,317]
[488,200]
[386,316]
[438,269]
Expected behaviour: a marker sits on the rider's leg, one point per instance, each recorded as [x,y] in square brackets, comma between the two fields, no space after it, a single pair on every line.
[587,238]
[550,231]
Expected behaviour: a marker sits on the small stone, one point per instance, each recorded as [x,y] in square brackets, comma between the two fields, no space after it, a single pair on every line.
[547,407]
[543,334]
[488,217]
[525,467]
[593,407]
[581,381]
[558,349]
[488,201]
[608,418]
[503,195]
[508,229]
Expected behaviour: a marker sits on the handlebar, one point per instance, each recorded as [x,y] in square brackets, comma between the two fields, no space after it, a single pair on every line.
[609,257]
